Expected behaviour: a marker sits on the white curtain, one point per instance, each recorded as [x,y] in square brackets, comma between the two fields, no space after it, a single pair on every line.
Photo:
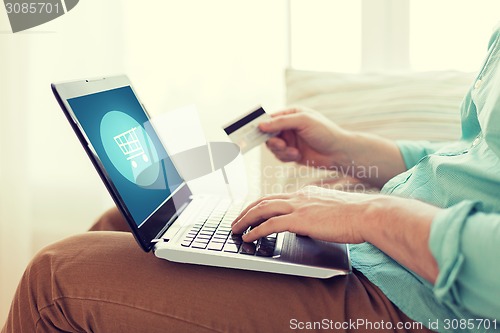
[224,56]
[47,187]
[15,235]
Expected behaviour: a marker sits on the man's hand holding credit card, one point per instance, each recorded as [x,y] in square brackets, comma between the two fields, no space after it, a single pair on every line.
[245,131]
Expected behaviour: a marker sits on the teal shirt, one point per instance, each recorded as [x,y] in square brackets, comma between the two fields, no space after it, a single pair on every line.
[463,178]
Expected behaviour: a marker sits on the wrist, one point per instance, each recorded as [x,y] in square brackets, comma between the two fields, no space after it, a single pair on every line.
[384,214]
[344,152]
[400,228]
[371,221]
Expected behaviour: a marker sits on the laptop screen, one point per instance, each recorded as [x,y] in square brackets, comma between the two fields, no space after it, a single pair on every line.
[128,148]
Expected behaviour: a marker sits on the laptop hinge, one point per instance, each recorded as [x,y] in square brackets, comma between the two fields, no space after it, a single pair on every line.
[158,237]
[157,240]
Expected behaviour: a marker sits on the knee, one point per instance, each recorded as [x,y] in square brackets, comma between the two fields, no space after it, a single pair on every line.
[44,265]
[37,282]
[60,271]
[68,261]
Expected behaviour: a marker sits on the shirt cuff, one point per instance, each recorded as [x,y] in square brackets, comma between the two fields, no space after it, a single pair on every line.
[414,151]
[444,243]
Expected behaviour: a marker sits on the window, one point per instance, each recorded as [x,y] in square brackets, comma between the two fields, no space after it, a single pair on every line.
[450,34]
[325,35]
[385,35]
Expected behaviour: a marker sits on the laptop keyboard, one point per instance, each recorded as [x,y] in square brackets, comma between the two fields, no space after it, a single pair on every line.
[212,232]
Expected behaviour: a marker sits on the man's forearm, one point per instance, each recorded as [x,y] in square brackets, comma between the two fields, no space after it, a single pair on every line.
[376,159]
[401,228]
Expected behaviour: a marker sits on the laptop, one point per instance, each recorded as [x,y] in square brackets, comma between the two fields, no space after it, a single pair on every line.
[163,214]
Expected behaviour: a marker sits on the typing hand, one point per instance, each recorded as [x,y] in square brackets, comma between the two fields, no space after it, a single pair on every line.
[315,212]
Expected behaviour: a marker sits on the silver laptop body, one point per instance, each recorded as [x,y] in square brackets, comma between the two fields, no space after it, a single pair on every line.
[113,127]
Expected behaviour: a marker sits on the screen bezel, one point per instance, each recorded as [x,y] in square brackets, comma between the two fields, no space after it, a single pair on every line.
[157,223]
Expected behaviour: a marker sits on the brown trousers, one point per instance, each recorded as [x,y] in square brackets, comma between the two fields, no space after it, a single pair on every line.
[102,281]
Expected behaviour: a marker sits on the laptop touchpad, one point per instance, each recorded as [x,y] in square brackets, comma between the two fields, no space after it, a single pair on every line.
[308,251]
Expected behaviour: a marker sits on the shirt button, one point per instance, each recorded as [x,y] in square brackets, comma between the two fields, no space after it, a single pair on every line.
[478,84]
[476,141]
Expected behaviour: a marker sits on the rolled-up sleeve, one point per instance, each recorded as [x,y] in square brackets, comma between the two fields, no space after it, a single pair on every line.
[414,151]
[466,245]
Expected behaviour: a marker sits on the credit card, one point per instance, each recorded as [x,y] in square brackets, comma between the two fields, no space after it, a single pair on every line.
[245,132]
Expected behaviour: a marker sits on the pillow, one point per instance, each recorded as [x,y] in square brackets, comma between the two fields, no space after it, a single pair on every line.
[409,106]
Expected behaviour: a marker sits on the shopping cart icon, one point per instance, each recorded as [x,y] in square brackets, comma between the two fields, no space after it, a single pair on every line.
[130,146]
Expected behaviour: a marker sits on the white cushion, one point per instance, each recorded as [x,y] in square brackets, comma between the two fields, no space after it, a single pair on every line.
[421,105]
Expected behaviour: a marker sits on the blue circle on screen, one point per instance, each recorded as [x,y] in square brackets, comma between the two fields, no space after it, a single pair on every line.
[129,148]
